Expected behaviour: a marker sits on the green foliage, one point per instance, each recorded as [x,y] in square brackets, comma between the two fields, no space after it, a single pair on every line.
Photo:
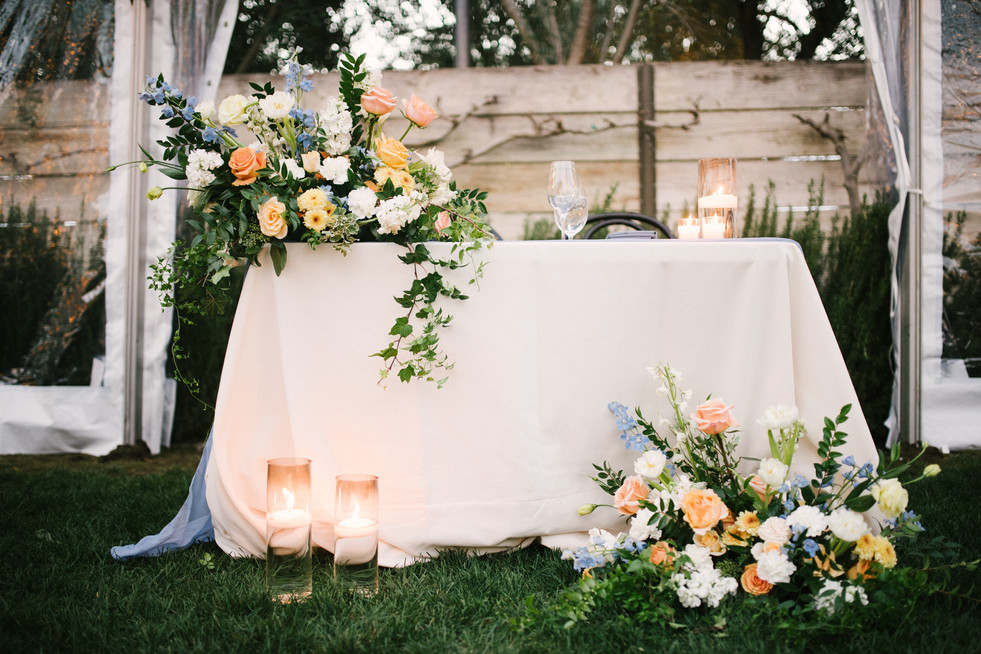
[851,268]
[962,294]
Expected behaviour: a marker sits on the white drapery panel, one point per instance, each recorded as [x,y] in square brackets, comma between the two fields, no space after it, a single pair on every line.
[904,45]
[92,419]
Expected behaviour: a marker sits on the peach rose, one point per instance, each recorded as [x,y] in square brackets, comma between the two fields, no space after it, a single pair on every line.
[418,112]
[378,101]
[711,541]
[633,489]
[703,509]
[443,221]
[714,417]
[662,553]
[758,485]
[271,222]
[245,162]
[391,152]
[752,584]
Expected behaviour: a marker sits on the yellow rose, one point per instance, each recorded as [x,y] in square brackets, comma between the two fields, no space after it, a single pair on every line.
[271,222]
[400,178]
[391,152]
[711,541]
[891,497]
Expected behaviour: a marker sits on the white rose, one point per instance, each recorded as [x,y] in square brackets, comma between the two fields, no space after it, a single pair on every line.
[773,472]
[334,169]
[891,497]
[277,106]
[847,525]
[809,517]
[294,170]
[361,202]
[650,464]
[206,109]
[778,417]
[774,567]
[231,111]
[774,530]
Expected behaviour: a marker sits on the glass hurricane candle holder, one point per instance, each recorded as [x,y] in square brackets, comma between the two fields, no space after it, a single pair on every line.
[717,200]
[356,533]
[289,560]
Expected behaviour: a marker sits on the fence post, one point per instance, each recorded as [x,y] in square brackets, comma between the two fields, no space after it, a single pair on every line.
[645,137]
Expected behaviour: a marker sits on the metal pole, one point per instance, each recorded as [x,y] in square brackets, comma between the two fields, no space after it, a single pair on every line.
[910,281]
[646,142]
[135,239]
[462,34]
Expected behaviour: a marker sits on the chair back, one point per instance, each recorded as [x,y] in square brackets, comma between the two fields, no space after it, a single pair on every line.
[636,221]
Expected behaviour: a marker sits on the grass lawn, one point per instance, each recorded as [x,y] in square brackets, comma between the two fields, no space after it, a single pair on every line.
[61,591]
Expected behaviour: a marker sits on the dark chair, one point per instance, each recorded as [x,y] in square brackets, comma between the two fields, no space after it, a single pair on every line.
[636,221]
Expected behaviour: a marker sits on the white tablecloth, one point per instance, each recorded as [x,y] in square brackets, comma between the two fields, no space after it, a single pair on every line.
[502,454]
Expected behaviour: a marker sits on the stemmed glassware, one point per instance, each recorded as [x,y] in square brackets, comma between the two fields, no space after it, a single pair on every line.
[567,198]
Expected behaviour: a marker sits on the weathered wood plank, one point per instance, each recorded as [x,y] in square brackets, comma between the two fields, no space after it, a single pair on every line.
[54,151]
[65,103]
[730,85]
[64,194]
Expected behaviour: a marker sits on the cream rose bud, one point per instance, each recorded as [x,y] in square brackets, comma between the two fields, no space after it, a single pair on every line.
[773,472]
[311,161]
[931,470]
[650,464]
[891,497]
[231,111]
[778,417]
[847,525]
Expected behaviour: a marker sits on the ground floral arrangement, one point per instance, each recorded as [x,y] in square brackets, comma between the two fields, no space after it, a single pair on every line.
[699,532]
[328,177]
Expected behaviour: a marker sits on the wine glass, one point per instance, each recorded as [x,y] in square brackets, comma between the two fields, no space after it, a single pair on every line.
[575,218]
[563,191]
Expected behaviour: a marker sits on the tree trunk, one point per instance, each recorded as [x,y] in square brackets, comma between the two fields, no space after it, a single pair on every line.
[751,28]
[627,36]
[583,32]
[527,37]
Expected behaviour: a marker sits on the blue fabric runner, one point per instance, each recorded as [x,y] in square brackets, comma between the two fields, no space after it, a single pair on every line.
[192,524]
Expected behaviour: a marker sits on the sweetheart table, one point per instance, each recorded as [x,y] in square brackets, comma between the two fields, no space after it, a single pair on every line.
[503,453]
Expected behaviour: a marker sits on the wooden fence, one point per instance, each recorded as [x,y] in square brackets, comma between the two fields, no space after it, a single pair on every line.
[638,129]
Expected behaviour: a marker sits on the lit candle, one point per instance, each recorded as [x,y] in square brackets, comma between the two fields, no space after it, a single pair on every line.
[714,227]
[285,518]
[718,200]
[355,540]
[688,228]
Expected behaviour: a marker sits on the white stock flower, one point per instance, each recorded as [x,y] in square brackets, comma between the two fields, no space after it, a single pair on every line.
[809,517]
[774,567]
[278,105]
[824,599]
[640,530]
[603,543]
[437,161]
[361,202]
[701,557]
[337,123]
[231,111]
[334,169]
[396,212]
[650,464]
[773,472]
[200,163]
[778,417]
[847,525]
[774,530]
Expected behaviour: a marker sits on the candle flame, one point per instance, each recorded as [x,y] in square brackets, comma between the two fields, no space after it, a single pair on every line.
[357,511]
[721,190]
[290,498]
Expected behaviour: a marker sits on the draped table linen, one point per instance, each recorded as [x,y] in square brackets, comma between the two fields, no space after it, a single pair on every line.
[503,453]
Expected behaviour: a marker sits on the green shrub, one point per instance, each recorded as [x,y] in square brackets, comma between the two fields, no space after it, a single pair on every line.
[962,295]
[851,268]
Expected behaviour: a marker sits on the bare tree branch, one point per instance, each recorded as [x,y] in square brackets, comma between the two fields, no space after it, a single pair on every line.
[527,36]
[849,165]
[608,36]
[627,36]
[583,30]
[554,33]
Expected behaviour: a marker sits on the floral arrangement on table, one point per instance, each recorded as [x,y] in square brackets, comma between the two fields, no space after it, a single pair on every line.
[327,177]
[698,531]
